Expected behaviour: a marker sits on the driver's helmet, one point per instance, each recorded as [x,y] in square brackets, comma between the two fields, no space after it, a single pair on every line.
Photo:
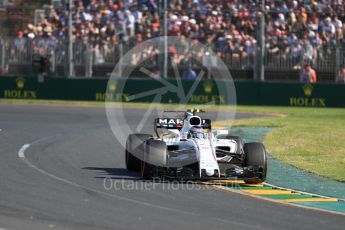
[196,132]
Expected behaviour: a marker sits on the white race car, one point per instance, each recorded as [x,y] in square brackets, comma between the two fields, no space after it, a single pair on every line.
[187,148]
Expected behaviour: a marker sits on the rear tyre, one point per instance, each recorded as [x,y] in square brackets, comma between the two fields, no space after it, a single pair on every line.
[146,170]
[135,151]
[256,156]
[155,155]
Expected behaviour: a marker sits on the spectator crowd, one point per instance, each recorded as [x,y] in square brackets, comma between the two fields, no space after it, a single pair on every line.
[294,30]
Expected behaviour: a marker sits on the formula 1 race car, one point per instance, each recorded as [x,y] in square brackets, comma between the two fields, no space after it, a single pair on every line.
[186,148]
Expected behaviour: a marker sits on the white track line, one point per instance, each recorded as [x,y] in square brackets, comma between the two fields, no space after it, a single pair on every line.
[22,150]
[21,155]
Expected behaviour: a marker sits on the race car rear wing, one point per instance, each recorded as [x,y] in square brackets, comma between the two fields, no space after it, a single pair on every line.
[177,123]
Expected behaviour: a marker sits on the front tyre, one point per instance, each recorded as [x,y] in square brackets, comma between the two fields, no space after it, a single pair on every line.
[155,156]
[256,157]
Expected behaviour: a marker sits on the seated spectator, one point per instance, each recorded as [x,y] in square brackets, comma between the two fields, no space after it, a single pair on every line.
[341,76]
[293,29]
[328,31]
[189,74]
[308,74]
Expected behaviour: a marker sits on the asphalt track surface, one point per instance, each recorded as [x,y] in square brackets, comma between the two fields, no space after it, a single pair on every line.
[60,182]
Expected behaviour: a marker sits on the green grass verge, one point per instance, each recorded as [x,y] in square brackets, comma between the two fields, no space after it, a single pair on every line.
[312,139]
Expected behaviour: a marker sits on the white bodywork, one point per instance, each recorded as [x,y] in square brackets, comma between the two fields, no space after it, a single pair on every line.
[204,145]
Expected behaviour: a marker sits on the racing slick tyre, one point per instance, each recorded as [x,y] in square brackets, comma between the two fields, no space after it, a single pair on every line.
[256,157]
[135,151]
[155,155]
[146,170]
[238,140]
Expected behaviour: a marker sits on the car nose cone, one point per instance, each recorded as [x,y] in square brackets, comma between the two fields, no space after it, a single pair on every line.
[209,172]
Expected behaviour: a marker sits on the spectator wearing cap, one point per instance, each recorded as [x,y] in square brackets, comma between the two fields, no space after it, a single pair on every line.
[341,76]
[308,74]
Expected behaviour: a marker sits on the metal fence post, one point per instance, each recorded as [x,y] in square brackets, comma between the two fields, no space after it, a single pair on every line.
[121,58]
[2,55]
[31,54]
[88,61]
[53,62]
[337,60]
[259,71]
[69,46]
[165,31]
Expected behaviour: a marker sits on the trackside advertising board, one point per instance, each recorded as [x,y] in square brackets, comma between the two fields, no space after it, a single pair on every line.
[206,91]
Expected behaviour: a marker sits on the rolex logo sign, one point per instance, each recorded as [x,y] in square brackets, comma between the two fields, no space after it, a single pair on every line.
[210,95]
[20,90]
[308,90]
[110,94]
[208,87]
[307,99]
[112,86]
[20,83]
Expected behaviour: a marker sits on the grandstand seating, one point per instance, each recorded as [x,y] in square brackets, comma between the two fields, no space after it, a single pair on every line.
[295,31]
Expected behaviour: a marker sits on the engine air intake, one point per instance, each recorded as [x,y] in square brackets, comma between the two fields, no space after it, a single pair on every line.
[195,121]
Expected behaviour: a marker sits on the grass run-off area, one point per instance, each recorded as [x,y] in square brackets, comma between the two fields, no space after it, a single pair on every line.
[312,139]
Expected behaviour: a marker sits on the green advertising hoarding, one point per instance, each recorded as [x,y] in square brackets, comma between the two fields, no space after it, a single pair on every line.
[205,91]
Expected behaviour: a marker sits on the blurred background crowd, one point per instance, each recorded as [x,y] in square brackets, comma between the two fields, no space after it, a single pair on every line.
[295,31]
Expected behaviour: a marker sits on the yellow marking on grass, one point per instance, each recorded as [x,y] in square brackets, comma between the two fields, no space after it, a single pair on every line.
[314,199]
[227,181]
[268,192]
[218,127]
[253,185]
